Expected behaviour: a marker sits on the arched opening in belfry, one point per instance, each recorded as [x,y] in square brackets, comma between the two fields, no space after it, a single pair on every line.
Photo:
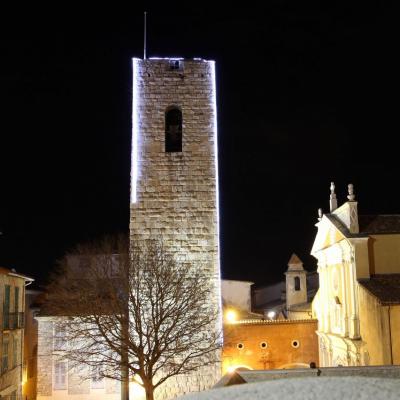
[173,130]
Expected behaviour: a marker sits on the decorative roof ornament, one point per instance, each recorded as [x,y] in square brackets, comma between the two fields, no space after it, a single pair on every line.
[332,198]
[320,214]
[351,196]
[333,195]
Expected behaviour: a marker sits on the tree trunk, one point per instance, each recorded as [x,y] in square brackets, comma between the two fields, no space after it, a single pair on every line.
[125,359]
[125,386]
[148,387]
[125,377]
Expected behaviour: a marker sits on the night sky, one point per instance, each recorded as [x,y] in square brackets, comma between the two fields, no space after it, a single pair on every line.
[305,96]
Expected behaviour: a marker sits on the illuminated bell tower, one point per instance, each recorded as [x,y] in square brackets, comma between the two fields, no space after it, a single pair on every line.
[174,176]
[296,282]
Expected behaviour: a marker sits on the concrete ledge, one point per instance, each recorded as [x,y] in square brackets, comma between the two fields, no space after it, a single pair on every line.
[238,377]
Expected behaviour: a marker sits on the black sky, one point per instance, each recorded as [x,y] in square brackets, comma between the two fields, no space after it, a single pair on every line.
[305,96]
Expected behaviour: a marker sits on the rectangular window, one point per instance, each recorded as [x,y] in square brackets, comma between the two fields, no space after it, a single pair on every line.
[6,307]
[16,308]
[173,130]
[97,377]
[15,351]
[115,265]
[4,354]
[60,375]
[16,299]
[175,65]
[59,338]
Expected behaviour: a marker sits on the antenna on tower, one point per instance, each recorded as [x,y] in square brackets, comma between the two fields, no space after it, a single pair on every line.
[145,32]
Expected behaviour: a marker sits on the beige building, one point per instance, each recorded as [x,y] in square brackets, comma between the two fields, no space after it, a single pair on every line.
[358,303]
[236,294]
[49,375]
[12,292]
[56,380]
[275,340]
[256,344]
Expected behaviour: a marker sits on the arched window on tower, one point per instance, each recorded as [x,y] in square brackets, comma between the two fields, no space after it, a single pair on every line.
[296,283]
[173,130]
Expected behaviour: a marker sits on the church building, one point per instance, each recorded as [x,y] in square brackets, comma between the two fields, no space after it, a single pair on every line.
[358,302]
[280,336]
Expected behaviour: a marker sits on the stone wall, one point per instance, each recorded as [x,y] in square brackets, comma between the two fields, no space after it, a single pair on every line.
[45,358]
[177,192]
[198,381]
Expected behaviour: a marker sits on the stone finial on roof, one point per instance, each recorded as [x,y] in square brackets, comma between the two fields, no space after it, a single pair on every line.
[351,196]
[295,263]
[332,198]
[320,214]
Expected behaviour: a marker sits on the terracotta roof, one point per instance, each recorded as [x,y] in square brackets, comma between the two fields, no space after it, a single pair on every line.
[379,223]
[386,288]
[369,225]
[279,321]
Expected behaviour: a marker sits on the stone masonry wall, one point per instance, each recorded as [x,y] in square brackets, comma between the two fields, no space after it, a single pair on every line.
[176,192]
[45,358]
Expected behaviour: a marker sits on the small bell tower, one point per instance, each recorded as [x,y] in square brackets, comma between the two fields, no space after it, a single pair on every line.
[296,282]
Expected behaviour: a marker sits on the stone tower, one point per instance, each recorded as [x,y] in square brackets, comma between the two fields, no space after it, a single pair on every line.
[296,282]
[174,175]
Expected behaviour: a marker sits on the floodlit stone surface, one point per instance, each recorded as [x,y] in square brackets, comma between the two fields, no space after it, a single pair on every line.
[175,193]
[307,388]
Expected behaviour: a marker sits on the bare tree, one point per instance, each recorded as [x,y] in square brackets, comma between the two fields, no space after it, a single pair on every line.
[138,314]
